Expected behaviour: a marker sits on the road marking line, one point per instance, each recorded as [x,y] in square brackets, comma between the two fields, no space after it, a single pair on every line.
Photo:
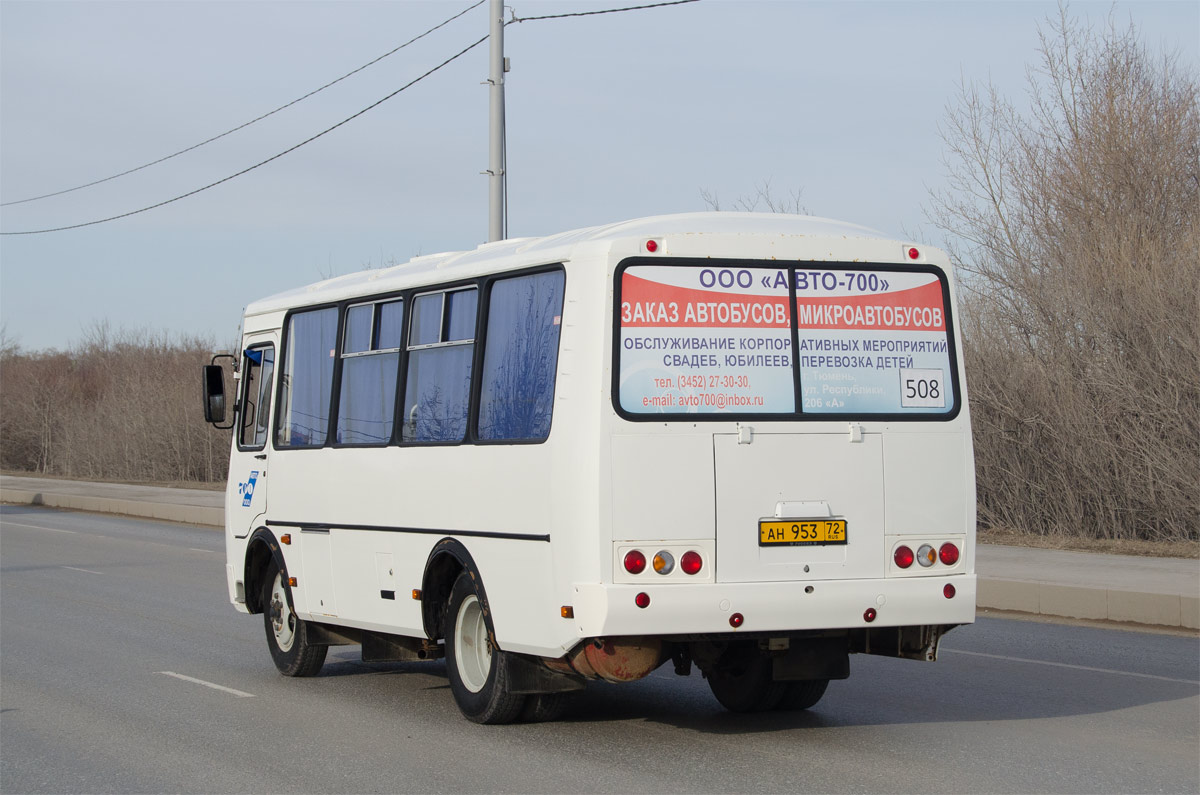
[207,551]
[38,527]
[222,688]
[76,568]
[1075,667]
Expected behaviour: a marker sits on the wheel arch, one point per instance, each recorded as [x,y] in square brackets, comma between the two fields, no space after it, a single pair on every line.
[261,549]
[447,560]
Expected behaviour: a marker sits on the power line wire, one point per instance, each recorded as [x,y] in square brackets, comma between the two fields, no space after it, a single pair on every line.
[252,121]
[605,11]
[330,129]
[411,83]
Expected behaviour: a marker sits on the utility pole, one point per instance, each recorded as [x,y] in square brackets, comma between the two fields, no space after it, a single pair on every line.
[495,172]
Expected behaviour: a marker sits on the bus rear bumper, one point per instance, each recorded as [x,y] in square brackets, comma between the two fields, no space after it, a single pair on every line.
[610,610]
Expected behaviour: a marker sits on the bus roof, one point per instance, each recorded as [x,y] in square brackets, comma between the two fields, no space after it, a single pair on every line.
[526,251]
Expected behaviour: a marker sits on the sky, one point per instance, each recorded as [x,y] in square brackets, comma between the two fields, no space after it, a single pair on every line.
[609,117]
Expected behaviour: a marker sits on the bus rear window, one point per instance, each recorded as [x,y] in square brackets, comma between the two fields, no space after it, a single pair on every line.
[856,340]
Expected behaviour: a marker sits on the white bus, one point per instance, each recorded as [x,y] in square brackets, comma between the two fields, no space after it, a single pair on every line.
[732,442]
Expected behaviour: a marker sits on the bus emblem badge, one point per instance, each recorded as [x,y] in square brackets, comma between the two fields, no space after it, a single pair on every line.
[248,489]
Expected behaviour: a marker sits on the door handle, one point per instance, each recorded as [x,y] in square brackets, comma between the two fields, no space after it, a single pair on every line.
[261,457]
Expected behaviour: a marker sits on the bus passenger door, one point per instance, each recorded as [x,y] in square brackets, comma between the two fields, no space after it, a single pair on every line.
[246,496]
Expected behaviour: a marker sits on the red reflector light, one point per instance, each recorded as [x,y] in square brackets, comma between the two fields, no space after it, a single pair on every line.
[642,600]
[869,615]
[903,557]
[949,554]
[652,246]
[635,562]
[736,620]
[691,562]
[913,253]
[948,591]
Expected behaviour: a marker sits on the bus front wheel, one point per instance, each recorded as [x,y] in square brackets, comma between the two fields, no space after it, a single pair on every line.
[478,671]
[287,633]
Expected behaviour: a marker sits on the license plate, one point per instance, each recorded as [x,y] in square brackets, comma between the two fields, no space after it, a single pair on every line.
[801,532]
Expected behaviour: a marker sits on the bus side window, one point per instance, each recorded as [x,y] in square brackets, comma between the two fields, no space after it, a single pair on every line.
[307,379]
[370,364]
[520,357]
[441,349]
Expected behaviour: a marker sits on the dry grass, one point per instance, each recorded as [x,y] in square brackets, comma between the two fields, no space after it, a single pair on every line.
[1110,546]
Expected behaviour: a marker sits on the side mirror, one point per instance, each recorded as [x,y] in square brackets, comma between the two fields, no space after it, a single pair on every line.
[214,394]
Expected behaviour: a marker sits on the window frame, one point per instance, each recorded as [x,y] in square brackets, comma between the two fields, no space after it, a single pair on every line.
[477,383]
[442,343]
[243,385]
[284,350]
[376,303]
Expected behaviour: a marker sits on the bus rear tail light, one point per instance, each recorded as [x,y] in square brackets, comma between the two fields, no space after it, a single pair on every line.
[736,620]
[635,562]
[926,555]
[903,557]
[691,562]
[949,554]
[664,562]
[869,615]
[949,591]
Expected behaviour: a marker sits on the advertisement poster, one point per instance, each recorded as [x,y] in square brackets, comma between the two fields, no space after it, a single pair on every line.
[719,341]
[872,342]
[705,341]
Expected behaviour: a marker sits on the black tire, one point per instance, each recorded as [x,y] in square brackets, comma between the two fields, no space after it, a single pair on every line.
[287,634]
[802,695]
[744,684]
[545,707]
[478,671]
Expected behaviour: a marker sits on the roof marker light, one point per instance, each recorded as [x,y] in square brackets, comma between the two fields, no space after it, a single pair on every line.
[652,246]
[914,253]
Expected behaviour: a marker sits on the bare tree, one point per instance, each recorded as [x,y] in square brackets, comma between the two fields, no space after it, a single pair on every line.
[1077,227]
[761,201]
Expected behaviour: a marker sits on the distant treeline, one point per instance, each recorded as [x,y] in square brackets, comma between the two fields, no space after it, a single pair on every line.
[118,406]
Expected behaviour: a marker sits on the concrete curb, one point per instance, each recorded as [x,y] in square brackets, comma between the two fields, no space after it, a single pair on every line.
[1075,601]
[185,514]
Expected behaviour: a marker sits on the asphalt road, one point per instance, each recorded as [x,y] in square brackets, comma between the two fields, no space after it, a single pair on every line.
[123,669]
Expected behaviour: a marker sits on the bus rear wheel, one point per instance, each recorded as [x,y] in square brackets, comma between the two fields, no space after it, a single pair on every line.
[744,683]
[478,671]
[287,633]
[802,695]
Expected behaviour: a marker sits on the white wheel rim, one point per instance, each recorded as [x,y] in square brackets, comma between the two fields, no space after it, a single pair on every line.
[283,621]
[472,653]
